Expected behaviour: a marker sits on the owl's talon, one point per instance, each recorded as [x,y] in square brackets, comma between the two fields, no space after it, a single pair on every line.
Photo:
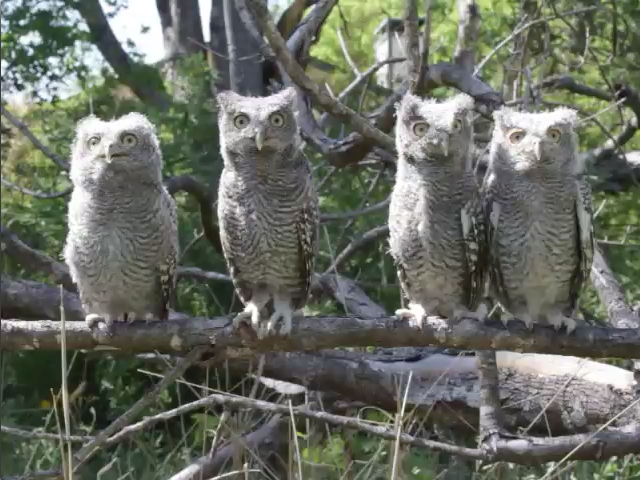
[558,320]
[240,318]
[415,315]
[103,324]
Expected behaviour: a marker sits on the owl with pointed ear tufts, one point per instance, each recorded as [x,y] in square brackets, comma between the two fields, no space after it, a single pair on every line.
[267,208]
[435,232]
[538,215]
[122,241]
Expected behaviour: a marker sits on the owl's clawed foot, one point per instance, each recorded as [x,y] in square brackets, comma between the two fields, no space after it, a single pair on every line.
[251,314]
[415,315]
[528,320]
[103,323]
[558,320]
[480,315]
[268,327]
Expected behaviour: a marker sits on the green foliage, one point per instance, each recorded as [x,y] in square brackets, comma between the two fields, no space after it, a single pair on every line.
[45,43]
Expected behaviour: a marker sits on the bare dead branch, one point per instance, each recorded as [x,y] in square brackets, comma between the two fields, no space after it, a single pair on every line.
[35,260]
[22,128]
[34,193]
[227,7]
[468,30]
[318,93]
[92,447]
[267,440]
[332,217]
[616,442]
[38,435]
[354,246]
[143,80]
[206,200]
[312,333]
[412,45]
[526,26]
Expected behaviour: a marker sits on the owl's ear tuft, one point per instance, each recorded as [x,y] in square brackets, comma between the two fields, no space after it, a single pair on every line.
[567,115]
[226,99]
[289,95]
[408,106]
[141,119]
[464,101]
[83,123]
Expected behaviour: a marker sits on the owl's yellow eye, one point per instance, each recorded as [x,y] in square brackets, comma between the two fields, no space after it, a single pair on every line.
[129,140]
[554,134]
[93,141]
[516,135]
[276,119]
[240,121]
[457,125]
[420,129]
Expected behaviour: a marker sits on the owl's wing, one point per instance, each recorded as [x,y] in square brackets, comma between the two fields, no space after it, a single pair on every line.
[169,264]
[491,217]
[307,231]
[584,239]
[232,241]
[475,250]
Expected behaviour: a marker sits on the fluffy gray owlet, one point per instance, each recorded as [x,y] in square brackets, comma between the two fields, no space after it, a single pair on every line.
[122,244]
[267,207]
[433,233]
[538,211]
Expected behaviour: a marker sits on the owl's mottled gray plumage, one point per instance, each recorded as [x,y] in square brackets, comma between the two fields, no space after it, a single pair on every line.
[435,231]
[538,216]
[267,207]
[122,243]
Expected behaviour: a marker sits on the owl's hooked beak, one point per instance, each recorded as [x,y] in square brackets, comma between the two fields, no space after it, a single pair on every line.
[537,149]
[445,146]
[111,151]
[260,139]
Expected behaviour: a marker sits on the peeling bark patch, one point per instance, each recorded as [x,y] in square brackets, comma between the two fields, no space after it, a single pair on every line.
[176,342]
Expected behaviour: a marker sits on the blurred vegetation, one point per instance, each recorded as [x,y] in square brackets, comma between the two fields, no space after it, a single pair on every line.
[45,44]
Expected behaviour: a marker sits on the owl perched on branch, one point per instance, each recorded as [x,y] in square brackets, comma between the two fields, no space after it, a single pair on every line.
[122,243]
[435,224]
[539,214]
[267,208]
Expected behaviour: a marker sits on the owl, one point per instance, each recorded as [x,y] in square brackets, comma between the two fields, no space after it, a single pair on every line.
[538,216]
[267,208]
[122,241]
[435,223]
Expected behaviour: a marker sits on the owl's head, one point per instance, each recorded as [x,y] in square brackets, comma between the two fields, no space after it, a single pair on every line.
[524,141]
[437,133]
[257,127]
[125,148]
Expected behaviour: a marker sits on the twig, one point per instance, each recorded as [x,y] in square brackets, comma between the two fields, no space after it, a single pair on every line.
[332,217]
[61,162]
[36,194]
[617,442]
[526,26]
[318,93]
[355,245]
[92,447]
[36,435]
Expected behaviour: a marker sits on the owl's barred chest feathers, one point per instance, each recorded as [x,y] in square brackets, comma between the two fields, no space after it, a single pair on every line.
[426,232]
[536,236]
[260,218]
[117,237]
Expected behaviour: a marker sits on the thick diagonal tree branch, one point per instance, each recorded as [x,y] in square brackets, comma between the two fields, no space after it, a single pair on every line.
[143,80]
[317,93]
